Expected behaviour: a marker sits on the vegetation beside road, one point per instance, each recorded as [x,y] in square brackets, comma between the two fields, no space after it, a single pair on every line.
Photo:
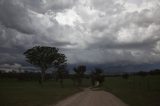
[31,93]
[136,90]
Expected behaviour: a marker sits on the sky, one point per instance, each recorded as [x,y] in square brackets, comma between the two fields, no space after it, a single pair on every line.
[104,32]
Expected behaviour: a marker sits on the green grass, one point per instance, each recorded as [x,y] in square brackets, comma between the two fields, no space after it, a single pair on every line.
[136,91]
[30,93]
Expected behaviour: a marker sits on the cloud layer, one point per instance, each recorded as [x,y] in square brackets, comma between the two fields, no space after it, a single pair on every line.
[87,31]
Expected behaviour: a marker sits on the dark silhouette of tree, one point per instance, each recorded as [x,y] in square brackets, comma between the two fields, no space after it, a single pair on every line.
[93,78]
[125,76]
[97,77]
[142,73]
[154,72]
[61,73]
[45,57]
[79,74]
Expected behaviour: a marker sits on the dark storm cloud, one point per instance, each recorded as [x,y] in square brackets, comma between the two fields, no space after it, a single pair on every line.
[19,31]
[134,32]
[127,46]
[14,43]
[15,16]
[87,31]
[43,6]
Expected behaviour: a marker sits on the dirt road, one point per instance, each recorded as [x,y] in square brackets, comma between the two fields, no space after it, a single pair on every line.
[92,98]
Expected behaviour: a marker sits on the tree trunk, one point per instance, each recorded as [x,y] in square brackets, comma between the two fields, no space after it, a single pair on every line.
[42,76]
[61,82]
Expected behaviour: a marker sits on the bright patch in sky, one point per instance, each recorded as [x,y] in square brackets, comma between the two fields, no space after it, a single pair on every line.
[68,17]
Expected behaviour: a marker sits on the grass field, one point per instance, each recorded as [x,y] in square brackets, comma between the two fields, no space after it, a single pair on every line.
[30,93]
[137,90]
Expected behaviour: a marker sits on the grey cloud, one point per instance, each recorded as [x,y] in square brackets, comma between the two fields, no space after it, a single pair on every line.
[125,46]
[109,29]
[60,4]
[109,7]
[105,36]
[111,56]
[11,58]
[20,29]
[26,23]
[15,16]
[145,17]
[43,6]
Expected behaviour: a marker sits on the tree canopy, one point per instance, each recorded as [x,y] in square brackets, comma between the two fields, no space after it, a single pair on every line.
[45,57]
[79,73]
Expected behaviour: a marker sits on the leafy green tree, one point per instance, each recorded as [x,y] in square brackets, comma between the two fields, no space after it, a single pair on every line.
[45,57]
[79,73]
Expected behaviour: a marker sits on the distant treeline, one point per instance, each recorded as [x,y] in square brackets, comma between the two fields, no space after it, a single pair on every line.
[23,76]
[33,76]
[152,72]
[139,73]
[36,76]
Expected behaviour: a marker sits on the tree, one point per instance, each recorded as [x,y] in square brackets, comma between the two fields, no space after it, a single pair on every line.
[125,76]
[79,73]
[45,57]
[61,73]
[97,77]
